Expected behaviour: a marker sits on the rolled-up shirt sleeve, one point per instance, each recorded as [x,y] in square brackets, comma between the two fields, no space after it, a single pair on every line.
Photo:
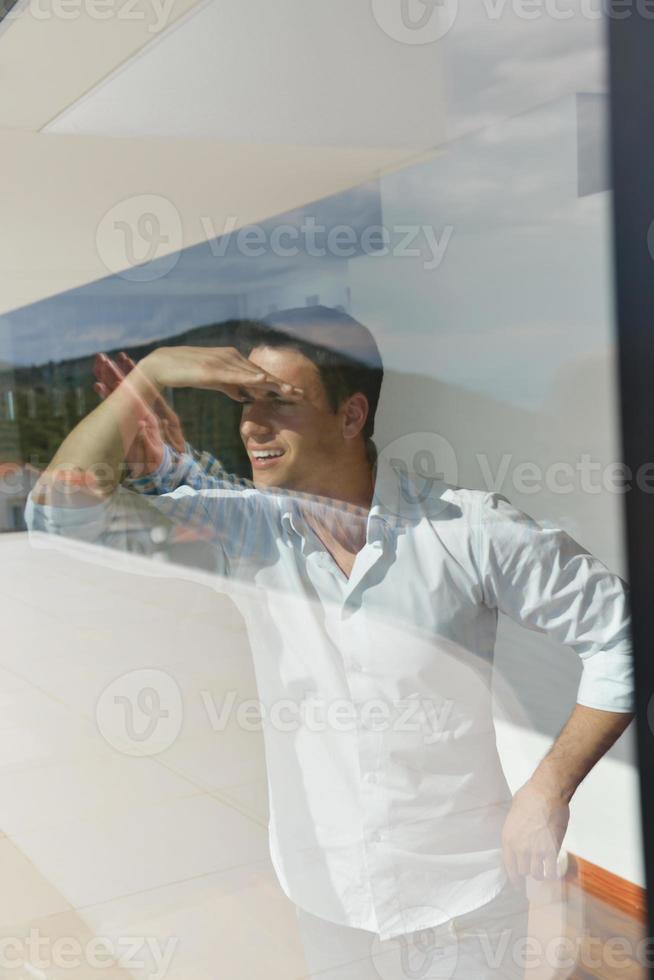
[164,479]
[235,523]
[545,580]
[200,471]
[86,523]
[123,520]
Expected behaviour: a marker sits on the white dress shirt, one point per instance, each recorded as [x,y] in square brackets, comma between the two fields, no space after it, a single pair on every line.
[387,796]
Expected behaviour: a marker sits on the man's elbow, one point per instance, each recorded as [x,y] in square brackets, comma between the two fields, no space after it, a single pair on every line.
[68,487]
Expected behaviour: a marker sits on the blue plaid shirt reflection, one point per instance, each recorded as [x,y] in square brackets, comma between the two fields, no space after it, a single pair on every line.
[195,469]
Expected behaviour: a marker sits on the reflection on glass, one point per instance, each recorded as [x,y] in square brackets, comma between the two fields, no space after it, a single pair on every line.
[369,576]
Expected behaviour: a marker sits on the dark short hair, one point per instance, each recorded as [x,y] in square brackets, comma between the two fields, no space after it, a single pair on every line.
[343,350]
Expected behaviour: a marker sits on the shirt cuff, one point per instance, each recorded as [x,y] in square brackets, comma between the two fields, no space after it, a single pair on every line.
[152,482]
[607,681]
[84,523]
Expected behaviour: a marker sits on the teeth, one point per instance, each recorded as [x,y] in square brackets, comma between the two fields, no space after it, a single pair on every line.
[269,454]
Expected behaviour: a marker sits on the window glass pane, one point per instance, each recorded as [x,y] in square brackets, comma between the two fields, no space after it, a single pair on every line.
[276,680]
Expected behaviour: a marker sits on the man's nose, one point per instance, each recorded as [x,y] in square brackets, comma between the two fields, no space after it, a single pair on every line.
[254,421]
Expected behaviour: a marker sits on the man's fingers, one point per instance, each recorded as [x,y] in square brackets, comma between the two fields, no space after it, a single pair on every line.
[248,392]
[106,367]
[100,369]
[236,392]
[550,866]
[100,389]
[511,865]
[171,435]
[536,869]
[162,408]
[523,862]
[245,372]
[126,363]
[153,450]
[267,382]
[176,436]
[107,371]
[164,411]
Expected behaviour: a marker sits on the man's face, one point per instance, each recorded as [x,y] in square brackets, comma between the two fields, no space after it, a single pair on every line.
[292,444]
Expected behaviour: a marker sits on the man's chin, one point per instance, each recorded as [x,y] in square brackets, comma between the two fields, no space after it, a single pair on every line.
[272,478]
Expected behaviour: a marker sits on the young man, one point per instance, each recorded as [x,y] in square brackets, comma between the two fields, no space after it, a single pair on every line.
[372,592]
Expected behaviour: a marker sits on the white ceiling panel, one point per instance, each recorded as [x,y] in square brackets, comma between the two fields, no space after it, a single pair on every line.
[54,51]
[283,72]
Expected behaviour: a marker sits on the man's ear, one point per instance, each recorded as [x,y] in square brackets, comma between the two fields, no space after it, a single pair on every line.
[355,412]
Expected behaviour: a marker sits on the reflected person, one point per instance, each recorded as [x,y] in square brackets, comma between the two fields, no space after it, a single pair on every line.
[364,588]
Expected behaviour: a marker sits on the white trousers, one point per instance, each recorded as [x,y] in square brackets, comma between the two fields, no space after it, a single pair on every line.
[486,943]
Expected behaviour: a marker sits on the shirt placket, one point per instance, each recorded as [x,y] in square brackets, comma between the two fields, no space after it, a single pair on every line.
[358,660]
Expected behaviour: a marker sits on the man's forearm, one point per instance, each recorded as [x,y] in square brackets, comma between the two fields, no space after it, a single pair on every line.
[98,444]
[537,821]
[587,735]
[95,450]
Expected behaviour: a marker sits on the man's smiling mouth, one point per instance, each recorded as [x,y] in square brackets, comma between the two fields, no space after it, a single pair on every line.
[263,458]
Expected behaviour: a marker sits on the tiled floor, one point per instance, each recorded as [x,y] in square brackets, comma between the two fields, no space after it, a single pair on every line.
[169,849]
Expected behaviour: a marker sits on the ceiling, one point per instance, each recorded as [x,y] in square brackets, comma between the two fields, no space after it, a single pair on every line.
[220,108]
[291,71]
[245,108]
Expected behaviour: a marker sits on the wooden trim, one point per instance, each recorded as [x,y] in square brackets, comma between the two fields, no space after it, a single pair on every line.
[608,887]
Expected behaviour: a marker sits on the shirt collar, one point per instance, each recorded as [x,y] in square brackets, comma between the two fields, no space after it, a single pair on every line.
[402,498]
[399,500]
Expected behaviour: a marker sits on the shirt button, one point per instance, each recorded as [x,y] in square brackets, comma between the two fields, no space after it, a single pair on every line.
[376,837]
[370,777]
